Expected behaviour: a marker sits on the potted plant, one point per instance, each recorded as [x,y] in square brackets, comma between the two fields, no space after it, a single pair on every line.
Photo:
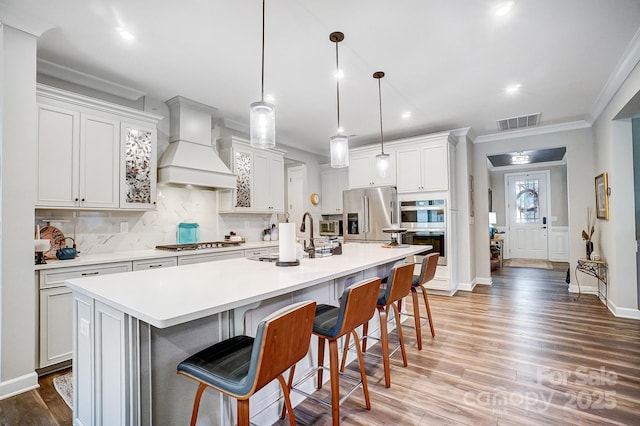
[588,233]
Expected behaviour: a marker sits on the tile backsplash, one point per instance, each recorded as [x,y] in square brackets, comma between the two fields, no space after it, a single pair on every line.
[104,231]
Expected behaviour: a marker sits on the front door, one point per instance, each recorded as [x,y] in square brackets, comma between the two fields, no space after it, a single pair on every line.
[526,195]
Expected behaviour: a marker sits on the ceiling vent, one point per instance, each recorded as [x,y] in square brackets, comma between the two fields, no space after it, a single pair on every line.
[519,122]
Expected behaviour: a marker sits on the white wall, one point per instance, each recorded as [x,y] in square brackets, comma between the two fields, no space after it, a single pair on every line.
[17,186]
[466,225]
[613,148]
[580,192]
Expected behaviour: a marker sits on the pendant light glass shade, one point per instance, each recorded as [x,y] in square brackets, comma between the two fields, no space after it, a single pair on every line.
[262,115]
[382,159]
[339,151]
[338,144]
[263,125]
[382,165]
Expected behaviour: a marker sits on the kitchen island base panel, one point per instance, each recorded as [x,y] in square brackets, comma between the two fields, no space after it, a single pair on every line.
[125,368]
[137,367]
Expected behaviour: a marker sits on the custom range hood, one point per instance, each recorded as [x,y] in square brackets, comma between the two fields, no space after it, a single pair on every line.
[190,158]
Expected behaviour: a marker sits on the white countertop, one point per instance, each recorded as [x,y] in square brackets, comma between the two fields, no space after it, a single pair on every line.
[170,296]
[96,259]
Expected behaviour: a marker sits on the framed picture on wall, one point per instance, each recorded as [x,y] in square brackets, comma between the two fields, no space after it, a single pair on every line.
[602,196]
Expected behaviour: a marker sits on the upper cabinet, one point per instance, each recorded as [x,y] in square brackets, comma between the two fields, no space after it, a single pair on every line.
[260,181]
[333,182]
[423,165]
[362,168]
[138,164]
[94,155]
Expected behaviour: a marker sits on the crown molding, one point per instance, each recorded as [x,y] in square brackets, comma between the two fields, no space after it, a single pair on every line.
[77,77]
[625,66]
[533,131]
[21,21]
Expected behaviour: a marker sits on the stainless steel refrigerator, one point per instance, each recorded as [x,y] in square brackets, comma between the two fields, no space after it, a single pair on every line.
[367,211]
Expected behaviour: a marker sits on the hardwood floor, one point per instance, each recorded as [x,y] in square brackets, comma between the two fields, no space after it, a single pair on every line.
[523,351]
[520,352]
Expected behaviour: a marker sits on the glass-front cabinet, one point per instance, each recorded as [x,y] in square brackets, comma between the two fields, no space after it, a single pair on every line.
[260,178]
[94,155]
[138,166]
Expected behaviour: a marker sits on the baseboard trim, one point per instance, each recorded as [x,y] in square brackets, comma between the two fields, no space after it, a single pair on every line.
[573,288]
[483,281]
[18,385]
[623,312]
[467,286]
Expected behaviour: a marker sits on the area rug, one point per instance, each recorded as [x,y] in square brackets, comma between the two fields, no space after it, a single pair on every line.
[64,386]
[528,263]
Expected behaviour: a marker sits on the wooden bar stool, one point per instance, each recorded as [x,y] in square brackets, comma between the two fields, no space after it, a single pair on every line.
[398,286]
[427,272]
[357,306]
[242,365]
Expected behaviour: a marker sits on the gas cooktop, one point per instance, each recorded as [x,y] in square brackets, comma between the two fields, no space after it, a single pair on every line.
[198,246]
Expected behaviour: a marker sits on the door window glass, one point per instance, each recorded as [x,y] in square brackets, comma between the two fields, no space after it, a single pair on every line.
[527,201]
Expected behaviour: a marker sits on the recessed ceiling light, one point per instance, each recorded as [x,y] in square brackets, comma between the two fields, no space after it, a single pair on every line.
[406,115]
[125,34]
[339,74]
[269,98]
[514,88]
[504,8]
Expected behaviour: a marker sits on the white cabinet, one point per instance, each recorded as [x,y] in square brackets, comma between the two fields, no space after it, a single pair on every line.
[422,167]
[209,257]
[163,262]
[138,163]
[78,157]
[99,162]
[93,155]
[268,181]
[260,182]
[333,182]
[55,325]
[56,309]
[362,168]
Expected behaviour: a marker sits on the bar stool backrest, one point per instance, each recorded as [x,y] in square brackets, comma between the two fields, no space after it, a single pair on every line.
[358,304]
[399,283]
[281,341]
[429,266]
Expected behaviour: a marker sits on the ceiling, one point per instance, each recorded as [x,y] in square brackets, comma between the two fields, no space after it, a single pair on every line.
[535,156]
[448,63]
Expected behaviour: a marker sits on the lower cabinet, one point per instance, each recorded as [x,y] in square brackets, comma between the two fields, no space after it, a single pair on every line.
[210,257]
[56,309]
[56,318]
[163,262]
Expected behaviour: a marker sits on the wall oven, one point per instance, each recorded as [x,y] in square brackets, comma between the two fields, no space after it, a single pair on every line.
[426,224]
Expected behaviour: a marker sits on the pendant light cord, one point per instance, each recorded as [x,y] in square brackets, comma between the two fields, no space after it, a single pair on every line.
[338,86]
[380,103]
[262,81]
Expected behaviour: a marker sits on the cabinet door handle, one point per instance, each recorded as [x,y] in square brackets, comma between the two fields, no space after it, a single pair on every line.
[84,274]
[83,200]
[159,265]
[76,199]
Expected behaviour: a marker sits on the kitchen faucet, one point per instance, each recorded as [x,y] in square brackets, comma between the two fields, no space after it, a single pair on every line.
[311,249]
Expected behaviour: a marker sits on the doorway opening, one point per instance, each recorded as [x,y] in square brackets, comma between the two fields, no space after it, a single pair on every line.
[529,210]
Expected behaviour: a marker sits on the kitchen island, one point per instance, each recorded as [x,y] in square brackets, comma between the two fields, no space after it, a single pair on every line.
[132,329]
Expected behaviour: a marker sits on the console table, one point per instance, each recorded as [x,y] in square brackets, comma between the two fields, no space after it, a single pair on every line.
[597,269]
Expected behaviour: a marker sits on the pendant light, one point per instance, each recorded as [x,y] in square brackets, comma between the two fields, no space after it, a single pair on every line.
[382,159]
[262,118]
[339,143]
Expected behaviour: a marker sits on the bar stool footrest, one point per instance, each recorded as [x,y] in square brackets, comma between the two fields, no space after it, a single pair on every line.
[313,372]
